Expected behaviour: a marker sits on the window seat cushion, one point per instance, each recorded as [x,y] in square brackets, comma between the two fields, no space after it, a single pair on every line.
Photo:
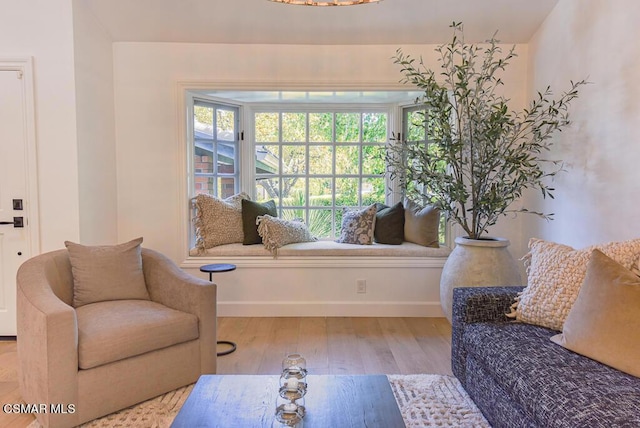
[326,249]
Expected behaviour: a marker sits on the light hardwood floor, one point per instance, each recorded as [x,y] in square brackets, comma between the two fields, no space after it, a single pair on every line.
[340,345]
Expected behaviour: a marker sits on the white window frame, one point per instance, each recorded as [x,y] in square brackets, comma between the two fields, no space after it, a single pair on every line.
[186,90]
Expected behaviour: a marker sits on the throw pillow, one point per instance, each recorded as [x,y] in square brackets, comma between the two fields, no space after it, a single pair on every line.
[389,224]
[555,273]
[358,226]
[250,212]
[276,232]
[604,322]
[108,272]
[218,221]
[421,224]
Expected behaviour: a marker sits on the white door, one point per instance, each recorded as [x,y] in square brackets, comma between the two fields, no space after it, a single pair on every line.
[15,134]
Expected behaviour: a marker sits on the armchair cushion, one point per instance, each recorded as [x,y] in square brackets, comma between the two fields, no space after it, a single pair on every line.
[114,330]
[108,272]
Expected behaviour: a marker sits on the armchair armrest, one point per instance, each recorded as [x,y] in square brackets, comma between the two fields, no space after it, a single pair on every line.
[474,305]
[171,286]
[47,338]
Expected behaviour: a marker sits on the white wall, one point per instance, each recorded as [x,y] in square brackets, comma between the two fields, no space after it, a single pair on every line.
[93,55]
[43,29]
[597,199]
[149,147]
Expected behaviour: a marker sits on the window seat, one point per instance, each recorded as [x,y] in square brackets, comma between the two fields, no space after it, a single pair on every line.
[319,279]
[324,249]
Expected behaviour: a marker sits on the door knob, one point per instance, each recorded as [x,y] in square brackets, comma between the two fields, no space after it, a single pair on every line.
[17,222]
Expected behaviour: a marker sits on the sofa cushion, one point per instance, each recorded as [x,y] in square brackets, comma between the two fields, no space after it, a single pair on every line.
[554,275]
[554,386]
[115,330]
[604,322]
[107,272]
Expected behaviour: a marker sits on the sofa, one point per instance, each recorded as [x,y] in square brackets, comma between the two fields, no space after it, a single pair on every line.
[89,361]
[519,378]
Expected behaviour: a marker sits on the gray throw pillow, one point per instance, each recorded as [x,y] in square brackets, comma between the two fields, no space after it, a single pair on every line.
[250,212]
[389,224]
[421,224]
[107,272]
[218,221]
[358,226]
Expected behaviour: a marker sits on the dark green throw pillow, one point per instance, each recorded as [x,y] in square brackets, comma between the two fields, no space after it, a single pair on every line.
[250,212]
[389,227]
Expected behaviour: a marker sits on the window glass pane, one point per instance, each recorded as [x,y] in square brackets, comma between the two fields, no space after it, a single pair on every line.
[347,192]
[347,160]
[267,159]
[226,187]
[320,192]
[226,123]
[415,126]
[294,192]
[320,223]
[374,127]
[267,128]
[267,189]
[294,127]
[321,160]
[373,160]
[226,158]
[294,160]
[373,190]
[347,127]
[338,221]
[204,185]
[320,127]
[289,214]
[203,122]
[203,162]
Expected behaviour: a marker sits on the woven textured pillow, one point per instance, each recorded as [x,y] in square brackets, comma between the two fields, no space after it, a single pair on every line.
[107,272]
[358,226]
[604,321]
[276,232]
[555,273]
[218,221]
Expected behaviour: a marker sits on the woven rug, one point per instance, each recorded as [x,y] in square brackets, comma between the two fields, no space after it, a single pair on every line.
[424,401]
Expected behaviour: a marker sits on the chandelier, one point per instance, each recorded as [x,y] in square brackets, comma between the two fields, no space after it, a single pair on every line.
[325,2]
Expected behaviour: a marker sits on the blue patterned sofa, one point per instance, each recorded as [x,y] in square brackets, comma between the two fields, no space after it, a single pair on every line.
[519,378]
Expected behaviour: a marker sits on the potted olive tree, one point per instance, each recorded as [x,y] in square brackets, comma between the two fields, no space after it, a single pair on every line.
[480,155]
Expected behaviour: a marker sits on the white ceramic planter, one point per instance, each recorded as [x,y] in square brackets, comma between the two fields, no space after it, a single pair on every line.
[477,263]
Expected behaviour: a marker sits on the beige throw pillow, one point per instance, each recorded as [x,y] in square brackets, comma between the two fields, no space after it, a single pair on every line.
[555,273]
[109,272]
[421,224]
[218,221]
[604,322]
[276,232]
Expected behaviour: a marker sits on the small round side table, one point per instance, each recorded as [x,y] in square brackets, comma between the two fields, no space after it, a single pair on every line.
[218,268]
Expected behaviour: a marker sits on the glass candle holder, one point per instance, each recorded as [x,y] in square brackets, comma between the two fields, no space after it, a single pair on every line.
[294,365]
[292,388]
[289,413]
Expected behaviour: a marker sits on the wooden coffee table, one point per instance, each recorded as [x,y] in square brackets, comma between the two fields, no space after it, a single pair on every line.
[250,401]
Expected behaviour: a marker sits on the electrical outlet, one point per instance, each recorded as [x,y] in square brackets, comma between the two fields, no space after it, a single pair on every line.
[361,285]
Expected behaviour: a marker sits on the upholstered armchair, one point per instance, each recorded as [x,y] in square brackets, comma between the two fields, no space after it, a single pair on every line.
[105,356]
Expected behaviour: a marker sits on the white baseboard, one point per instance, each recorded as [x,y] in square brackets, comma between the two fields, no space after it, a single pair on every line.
[329,309]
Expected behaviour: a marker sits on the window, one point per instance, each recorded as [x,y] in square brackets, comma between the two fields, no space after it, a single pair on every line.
[215,149]
[314,163]
[313,153]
